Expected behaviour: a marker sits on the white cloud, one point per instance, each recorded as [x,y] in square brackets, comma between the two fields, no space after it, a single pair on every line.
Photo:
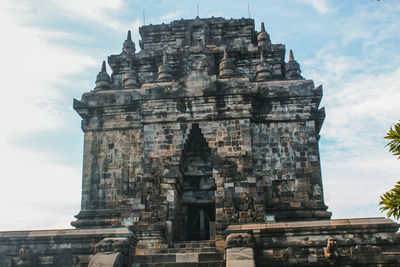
[30,178]
[321,6]
[361,92]
[36,193]
[31,65]
[134,27]
[173,15]
[95,10]
[357,168]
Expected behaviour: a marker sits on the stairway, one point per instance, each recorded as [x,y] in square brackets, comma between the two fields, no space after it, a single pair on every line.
[187,254]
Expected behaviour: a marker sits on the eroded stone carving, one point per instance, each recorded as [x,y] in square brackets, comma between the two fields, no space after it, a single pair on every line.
[365,253]
[331,250]
[112,245]
[239,240]
[26,257]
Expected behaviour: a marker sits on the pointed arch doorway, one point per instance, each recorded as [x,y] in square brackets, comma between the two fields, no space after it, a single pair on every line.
[198,201]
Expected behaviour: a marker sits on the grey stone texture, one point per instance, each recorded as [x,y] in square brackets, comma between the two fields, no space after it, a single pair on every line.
[256,133]
[202,150]
[356,242]
[67,247]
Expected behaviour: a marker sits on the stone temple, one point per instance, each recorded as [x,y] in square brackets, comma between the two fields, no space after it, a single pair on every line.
[202,150]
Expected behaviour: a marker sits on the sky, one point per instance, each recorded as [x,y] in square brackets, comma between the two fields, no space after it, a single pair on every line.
[52,51]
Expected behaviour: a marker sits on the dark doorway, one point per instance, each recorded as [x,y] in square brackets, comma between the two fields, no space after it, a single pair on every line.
[198,188]
[199,219]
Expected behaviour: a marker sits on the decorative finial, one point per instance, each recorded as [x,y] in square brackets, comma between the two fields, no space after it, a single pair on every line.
[293,71]
[103,80]
[131,79]
[164,71]
[226,67]
[103,67]
[263,69]
[263,37]
[225,54]
[26,257]
[129,46]
[165,59]
[291,57]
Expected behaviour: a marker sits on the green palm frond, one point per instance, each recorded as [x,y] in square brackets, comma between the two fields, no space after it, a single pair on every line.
[390,201]
[394,136]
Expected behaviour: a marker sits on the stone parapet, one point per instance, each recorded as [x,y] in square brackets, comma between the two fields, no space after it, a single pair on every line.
[66,247]
[339,242]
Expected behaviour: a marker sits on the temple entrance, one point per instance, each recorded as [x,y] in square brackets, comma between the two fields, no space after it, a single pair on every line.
[197,200]
[200,217]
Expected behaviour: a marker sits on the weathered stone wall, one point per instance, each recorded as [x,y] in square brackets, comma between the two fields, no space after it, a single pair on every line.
[341,242]
[263,143]
[220,130]
[59,247]
[180,33]
[287,165]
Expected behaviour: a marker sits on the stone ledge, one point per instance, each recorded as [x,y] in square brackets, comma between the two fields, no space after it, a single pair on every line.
[67,233]
[361,224]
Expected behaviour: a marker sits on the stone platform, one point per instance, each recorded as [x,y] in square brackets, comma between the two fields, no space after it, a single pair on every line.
[67,247]
[339,242]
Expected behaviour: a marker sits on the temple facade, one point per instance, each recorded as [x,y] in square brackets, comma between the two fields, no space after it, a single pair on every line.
[207,124]
[202,149]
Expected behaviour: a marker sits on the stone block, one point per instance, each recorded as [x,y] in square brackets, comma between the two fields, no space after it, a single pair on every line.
[240,257]
[187,257]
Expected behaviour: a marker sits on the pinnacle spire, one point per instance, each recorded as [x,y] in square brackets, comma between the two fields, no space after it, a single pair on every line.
[293,71]
[164,70]
[129,46]
[225,54]
[291,57]
[164,59]
[103,67]
[263,38]
[131,80]
[263,70]
[103,79]
[226,67]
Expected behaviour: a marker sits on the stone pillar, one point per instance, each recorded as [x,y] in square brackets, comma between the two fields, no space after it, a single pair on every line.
[239,250]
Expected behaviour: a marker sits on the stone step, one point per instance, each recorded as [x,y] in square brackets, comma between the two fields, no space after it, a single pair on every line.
[179,258]
[192,244]
[186,250]
[182,264]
